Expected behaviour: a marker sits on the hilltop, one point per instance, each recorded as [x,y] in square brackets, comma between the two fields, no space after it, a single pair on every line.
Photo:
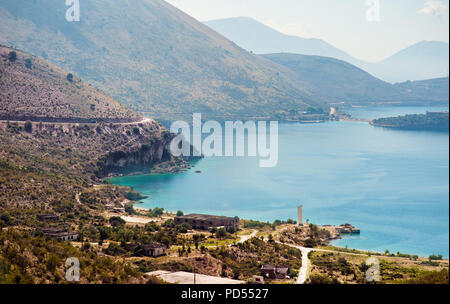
[32,88]
[154,58]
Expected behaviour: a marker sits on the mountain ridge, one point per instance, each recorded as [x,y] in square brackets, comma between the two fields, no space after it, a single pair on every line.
[350,84]
[260,38]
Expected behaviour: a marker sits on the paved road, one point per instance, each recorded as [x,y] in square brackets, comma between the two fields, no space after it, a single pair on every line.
[144,120]
[303,273]
[248,236]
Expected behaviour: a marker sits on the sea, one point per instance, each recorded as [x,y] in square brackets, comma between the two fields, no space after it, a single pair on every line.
[392,184]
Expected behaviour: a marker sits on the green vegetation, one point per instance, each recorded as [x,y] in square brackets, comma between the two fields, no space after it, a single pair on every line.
[258,224]
[431,121]
[351,268]
[29,63]
[133,195]
[26,259]
[436,257]
[155,212]
[245,260]
[429,277]
[12,56]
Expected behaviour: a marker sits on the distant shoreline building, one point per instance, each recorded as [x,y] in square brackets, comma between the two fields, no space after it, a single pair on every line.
[206,222]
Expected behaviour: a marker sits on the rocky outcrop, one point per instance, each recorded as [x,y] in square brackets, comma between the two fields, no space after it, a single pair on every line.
[140,159]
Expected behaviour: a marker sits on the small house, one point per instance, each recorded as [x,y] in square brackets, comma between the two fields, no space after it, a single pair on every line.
[153,250]
[48,217]
[275,272]
[59,233]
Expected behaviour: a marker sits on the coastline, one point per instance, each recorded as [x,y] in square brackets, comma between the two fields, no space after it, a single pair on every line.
[171,213]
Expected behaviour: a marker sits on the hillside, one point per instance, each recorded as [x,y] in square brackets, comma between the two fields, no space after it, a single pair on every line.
[434,90]
[335,80]
[154,58]
[423,60]
[31,88]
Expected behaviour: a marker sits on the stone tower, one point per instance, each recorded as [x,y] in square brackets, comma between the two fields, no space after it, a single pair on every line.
[300,215]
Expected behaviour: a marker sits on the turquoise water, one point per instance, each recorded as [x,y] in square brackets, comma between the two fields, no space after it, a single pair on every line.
[392,184]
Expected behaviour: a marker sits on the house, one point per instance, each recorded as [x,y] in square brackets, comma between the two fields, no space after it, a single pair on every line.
[205,222]
[59,233]
[48,217]
[275,272]
[153,250]
[118,210]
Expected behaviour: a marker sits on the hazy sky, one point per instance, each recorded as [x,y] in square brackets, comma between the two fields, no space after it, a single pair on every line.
[342,23]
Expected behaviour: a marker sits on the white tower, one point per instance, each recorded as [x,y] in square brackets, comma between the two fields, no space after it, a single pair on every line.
[300,215]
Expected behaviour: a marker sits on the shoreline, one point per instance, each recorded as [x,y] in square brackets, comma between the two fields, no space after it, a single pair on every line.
[172,213]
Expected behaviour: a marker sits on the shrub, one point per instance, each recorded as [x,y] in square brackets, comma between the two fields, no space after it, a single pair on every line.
[28,63]
[321,279]
[28,126]
[12,56]
[70,77]
[435,257]
[220,233]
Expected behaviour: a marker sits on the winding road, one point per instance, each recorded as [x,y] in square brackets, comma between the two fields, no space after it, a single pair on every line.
[248,236]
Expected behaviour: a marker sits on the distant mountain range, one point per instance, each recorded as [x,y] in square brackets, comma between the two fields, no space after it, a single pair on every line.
[159,61]
[424,60]
[154,58]
[333,81]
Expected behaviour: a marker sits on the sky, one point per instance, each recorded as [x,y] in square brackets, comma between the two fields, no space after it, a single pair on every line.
[370,30]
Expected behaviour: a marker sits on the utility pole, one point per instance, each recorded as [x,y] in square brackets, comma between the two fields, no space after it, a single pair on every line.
[194,275]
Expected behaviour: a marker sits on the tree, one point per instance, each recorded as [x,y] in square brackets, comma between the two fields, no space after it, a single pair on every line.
[129,209]
[28,63]
[28,126]
[12,56]
[70,77]
[104,233]
[180,213]
[220,233]
[231,230]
